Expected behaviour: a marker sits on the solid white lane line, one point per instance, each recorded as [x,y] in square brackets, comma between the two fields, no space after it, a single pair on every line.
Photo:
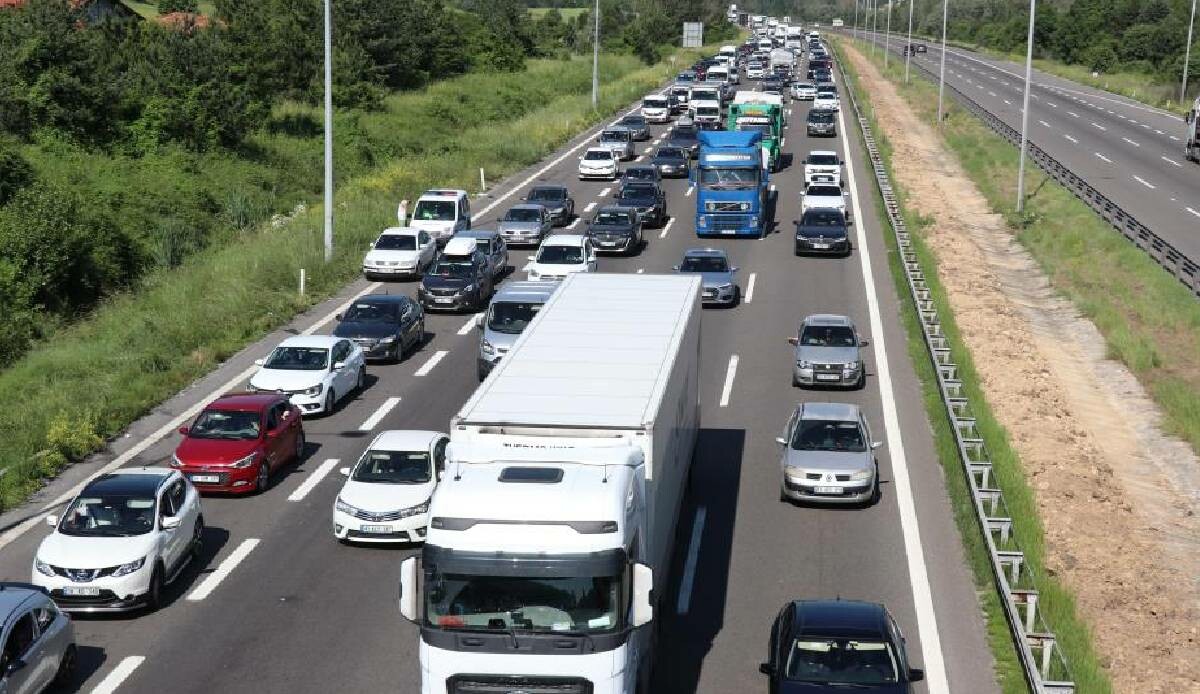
[574,223]
[640,156]
[1070,138]
[1131,142]
[689,190]
[323,469]
[910,530]
[666,228]
[689,567]
[1170,161]
[433,361]
[1097,125]
[605,192]
[378,415]
[1173,138]
[119,674]
[1144,182]
[1106,159]
[730,374]
[211,581]
[590,206]
[470,324]
[750,287]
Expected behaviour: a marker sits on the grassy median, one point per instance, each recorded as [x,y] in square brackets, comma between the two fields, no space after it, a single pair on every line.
[1057,603]
[67,396]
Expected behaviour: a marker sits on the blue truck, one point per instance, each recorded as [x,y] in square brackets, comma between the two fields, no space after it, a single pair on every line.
[731,182]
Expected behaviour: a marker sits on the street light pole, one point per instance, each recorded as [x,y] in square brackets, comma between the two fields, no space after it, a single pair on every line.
[874,24]
[887,36]
[328,133]
[596,60]
[1025,111]
[856,4]
[942,71]
[1187,56]
[908,46]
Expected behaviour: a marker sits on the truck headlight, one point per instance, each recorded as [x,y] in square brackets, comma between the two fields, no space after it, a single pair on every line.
[345,507]
[128,568]
[42,567]
[245,462]
[702,221]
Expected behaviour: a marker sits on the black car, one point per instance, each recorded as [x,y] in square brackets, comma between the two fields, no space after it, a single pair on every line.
[616,229]
[385,326]
[684,137]
[556,199]
[774,83]
[821,122]
[456,283]
[835,646]
[671,161]
[647,198]
[647,173]
[824,231]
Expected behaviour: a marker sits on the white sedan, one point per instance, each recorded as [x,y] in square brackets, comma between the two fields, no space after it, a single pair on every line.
[598,162]
[316,371]
[826,101]
[399,252]
[386,495]
[126,535]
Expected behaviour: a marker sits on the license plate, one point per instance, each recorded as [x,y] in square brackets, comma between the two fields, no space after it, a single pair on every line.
[820,245]
[729,231]
[828,377]
[827,490]
[376,529]
[80,590]
[443,300]
[205,479]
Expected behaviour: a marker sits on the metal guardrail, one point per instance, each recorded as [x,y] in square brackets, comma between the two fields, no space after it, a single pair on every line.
[1170,258]
[1043,662]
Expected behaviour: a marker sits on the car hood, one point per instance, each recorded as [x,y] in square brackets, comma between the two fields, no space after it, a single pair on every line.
[431,226]
[827,355]
[614,229]
[835,201]
[713,279]
[518,226]
[500,339]
[434,282]
[599,163]
[841,461]
[638,201]
[815,232]
[401,256]
[279,379]
[371,330]
[380,498]
[72,552]
[668,161]
[786,687]
[192,450]
[555,269]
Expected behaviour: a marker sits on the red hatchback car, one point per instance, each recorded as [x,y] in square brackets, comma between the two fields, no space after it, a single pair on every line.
[238,441]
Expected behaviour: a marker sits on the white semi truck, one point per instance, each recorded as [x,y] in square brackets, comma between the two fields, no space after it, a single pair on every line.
[551,530]
[1191,143]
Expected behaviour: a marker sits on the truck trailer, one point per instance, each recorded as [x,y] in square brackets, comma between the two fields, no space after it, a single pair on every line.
[1191,140]
[551,530]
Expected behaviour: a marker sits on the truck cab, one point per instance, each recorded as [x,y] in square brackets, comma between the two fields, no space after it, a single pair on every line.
[731,182]
[763,113]
[1191,147]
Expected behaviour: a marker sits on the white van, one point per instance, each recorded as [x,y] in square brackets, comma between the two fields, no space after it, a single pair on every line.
[656,108]
[442,213]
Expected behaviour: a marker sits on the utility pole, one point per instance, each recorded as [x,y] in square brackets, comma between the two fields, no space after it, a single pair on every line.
[1187,56]
[596,60]
[887,36]
[1025,111]
[908,46]
[942,71]
[328,132]
[856,4]
[874,25]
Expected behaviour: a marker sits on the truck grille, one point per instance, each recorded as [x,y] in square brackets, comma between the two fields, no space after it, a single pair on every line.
[729,221]
[723,206]
[497,684]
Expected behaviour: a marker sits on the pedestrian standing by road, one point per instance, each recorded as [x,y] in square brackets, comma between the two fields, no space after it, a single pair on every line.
[402,212]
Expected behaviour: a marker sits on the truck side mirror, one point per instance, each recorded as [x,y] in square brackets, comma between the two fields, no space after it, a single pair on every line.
[643,582]
[408,589]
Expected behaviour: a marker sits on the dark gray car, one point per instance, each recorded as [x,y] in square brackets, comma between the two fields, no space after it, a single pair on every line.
[717,276]
[684,137]
[557,200]
[821,122]
[638,124]
[827,455]
[645,173]
[671,161]
[822,231]
[385,326]
[828,352]
[493,247]
[647,198]
[616,230]
[526,223]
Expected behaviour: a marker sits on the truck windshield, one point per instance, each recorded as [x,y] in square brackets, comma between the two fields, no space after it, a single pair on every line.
[656,102]
[763,128]
[511,317]
[587,604]
[727,179]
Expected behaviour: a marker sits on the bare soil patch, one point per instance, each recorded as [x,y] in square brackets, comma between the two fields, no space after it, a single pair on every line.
[1117,497]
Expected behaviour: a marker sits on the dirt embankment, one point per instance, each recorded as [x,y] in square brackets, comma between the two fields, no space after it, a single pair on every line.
[1120,531]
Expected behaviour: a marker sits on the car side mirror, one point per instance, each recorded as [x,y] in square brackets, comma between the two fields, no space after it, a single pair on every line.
[171,522]
[766,668]
[345,472]
[338,366]
[780,440]
[16,665]
[876,444]
[675,268]
[863,342]
[184,430]
[793,341]
[260,362]
[915,674]
[51,520]
[734,269]
[340,316]
[591,258]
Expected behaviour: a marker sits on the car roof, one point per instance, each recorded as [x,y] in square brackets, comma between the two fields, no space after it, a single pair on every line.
[483,233]
[822,153]
[245,402]
[639,167]
[383,299]
[527,291]
[836,411]
[527,206]
[13,594]
[605,150]
[441,193]
[459,246]
[619,128]
[400,231]
[705,253]
[404,440]
[840,618]
[143,481]
[827,319]
[669,149]
[326,341]
[549,186]
[564,240]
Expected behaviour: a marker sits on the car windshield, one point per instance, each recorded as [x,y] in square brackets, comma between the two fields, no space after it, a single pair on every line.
[396,242]
[598,155]
[657,102]
[638,173]
[552,194]
[823,159]
[702,263]
[108,515]
[634,121]
[840,661]
[828,435]
[522,214]
[435,210]
[511,317]
[393,467]
[298,359]
[728,178]
[820,117]
[824,192]
[453,268]
[560,255]
[669,153]
[827,336]
[231,425]
[608,219]
[679,134]
[823,218]
[636,192]
[372,313]
[587,604]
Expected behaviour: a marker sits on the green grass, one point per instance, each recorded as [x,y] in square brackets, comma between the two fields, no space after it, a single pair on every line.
[568,13]
[149,10]
[1056,600]
[102,373]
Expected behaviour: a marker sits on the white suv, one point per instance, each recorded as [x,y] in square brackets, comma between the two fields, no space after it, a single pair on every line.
[127,534]
[560,256]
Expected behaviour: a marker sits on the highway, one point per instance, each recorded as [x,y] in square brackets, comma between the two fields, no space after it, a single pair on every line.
[276,605]
[1130,152]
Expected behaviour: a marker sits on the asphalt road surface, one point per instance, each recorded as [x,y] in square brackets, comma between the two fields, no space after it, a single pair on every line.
[302,613]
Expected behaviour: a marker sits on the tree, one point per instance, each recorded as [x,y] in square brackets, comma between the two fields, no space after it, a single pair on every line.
[169,6]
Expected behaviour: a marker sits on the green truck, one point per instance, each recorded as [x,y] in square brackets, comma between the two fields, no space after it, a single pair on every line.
[762,113]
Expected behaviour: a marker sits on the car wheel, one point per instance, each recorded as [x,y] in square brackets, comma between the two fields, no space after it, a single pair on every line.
[397,352]
[66,668]
[262,480]
[198,537]
[362,379]
[300,443]
[154,593]
[330,403]
[795,381]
